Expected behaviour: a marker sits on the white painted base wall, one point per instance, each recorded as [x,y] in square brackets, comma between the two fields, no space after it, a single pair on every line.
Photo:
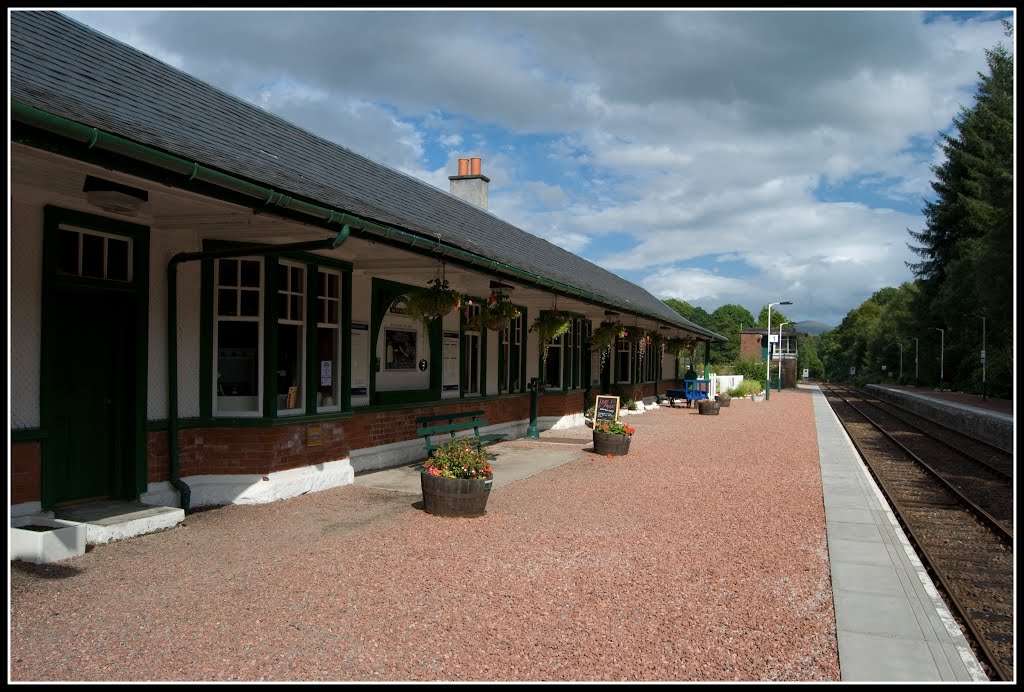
[251,488]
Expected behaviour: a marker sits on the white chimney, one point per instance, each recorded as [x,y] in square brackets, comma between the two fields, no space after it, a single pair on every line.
[470,184]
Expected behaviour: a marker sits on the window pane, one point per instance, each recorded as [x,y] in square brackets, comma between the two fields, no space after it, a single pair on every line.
[329,377]
[67,252]
[282,306]
[92,255]
[227,302]
[282,277]
[250,273]
[250,303]
[228,272]
[297,281]
[117,259]
[289,367]
[296,311]
[332,312]
[237,361]
[553,367]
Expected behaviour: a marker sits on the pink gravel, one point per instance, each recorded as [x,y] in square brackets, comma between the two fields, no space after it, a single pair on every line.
[699,556]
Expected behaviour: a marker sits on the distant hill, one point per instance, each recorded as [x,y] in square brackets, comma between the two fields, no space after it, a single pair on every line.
[812,327]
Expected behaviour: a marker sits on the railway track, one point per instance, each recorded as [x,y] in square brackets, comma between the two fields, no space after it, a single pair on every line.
[954,499]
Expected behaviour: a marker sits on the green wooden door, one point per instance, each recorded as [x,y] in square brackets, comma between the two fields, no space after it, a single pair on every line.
[93,374]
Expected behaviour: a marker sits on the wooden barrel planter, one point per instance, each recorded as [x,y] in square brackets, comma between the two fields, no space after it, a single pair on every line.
[616,445]
[723,399]
[708,407]
[454,497]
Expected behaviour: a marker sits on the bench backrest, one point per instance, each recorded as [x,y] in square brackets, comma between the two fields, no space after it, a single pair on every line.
[450,427]
[450,417]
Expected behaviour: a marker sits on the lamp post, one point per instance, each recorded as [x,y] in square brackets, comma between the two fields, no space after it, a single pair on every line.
[942,353]
[768,365]
[917,345]
[780,355]
[900,344]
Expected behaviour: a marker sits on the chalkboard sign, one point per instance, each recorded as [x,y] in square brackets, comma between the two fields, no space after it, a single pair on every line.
[606,408]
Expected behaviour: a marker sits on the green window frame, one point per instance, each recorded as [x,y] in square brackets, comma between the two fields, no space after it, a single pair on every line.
[303,300]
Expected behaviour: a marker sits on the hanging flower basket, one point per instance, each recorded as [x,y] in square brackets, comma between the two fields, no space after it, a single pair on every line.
[604,337]
[642,339]
[437,300]
[548,325]
[494,314]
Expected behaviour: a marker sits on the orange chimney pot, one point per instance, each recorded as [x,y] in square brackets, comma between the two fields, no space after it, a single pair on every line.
[463,166]
[474,166]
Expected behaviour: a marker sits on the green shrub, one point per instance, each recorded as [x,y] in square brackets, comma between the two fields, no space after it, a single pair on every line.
[750,369]
[746,388]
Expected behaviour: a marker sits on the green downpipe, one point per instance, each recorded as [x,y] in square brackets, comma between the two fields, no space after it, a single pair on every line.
[172,332]
[95,138]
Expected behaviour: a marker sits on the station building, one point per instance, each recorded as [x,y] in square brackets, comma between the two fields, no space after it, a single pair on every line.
[207,303]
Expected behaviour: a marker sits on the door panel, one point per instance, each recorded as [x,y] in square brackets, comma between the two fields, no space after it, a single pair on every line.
[93,369]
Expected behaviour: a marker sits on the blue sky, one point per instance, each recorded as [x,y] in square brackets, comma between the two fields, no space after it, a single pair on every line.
[723,156]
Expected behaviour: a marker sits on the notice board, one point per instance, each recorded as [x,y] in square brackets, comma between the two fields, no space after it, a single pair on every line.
[606,407]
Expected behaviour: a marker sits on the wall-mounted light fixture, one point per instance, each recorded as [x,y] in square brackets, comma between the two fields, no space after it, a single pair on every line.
[114,197]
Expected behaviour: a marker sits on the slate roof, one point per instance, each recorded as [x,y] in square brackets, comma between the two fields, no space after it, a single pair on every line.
[65,68]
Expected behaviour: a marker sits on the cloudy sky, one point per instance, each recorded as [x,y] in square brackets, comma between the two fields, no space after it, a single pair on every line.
[712,156]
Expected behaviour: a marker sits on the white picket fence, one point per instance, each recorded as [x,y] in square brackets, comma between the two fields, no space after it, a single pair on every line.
[720,384]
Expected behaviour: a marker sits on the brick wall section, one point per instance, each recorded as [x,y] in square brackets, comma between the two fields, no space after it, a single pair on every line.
[26,464]
[750,346]
[265,450]
[558,404]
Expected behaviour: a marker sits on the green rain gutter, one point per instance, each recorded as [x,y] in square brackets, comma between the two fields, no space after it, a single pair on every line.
[172,331]
[95,138]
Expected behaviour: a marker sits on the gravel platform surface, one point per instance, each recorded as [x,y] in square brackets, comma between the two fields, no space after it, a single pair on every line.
[699,556]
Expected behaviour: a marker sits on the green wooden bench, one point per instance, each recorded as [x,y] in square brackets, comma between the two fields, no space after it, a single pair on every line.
[452,423]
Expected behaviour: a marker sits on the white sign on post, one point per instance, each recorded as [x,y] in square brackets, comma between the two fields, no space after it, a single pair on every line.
[807,373]
[773,338]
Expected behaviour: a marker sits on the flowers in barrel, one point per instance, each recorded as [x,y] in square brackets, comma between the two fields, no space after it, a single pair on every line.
[462,457]
[494,314]
[615,427]
[437,300]
[603,338]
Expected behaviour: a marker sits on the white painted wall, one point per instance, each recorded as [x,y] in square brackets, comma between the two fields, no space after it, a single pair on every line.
[26,256]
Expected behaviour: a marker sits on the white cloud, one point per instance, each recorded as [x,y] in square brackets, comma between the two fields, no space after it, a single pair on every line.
[703,135]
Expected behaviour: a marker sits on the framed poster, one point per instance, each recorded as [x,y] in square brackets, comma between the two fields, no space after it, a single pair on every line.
[606,407]
[399,349]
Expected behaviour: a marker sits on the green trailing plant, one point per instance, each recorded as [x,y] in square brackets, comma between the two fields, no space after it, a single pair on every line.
[437,300]
[603,338]
[644,340]
[549,324]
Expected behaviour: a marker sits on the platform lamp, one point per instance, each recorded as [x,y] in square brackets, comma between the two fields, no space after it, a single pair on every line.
[942,354]
[768,365]
[780,355]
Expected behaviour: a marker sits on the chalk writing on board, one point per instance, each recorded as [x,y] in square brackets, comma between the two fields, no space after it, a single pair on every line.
[606,407]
